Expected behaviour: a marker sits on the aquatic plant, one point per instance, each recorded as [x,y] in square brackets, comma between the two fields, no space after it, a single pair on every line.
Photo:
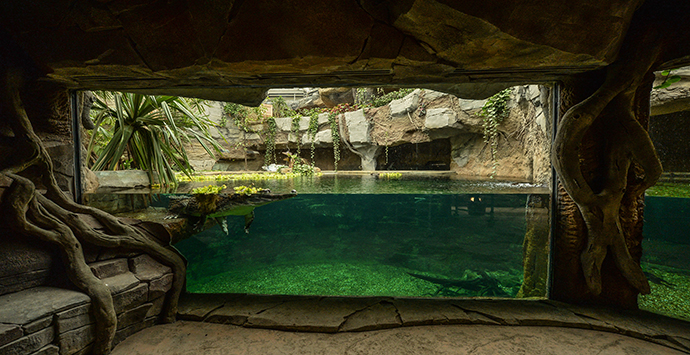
[246,190]
[208,189]
[240,177]
[390,176]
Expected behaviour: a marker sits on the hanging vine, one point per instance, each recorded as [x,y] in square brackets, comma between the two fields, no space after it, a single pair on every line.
[494,111]
[335,135]
[271,131]
[296,118]
[312,130]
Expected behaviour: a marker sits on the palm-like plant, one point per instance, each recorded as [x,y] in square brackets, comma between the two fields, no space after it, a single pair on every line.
[151,130]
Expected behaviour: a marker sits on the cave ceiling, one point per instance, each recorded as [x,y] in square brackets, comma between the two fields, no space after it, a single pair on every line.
[235,50]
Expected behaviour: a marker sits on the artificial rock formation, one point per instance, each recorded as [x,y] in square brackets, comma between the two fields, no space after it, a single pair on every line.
[234,50]
[51,216]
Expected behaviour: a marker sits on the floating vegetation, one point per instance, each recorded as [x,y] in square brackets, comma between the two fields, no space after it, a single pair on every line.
[240,177]
[209,189]
[246,190]
[390,176]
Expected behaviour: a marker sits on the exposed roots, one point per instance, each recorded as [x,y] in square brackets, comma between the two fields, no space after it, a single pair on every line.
[627,145]
[53,217]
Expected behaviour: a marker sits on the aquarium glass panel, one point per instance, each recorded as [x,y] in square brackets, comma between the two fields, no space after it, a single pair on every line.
[371,236]
[666,243]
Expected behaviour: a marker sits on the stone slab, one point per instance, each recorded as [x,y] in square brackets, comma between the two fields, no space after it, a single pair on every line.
[109,268]
[124,178]
[158,287]
[313,314]
[425,312]
[238,311]
[145,268]
[358,126]
[23,281]
[378,316]
[156,307]
[49,349]
[28,344]
[76,340]
[122,334]
[439,118]
[132,316]
[406,105]
[130,298]
[196,307]
[121,282]
[73,312]
[66,324]
[29,305]
[38,325]
[522,313]
[9,333]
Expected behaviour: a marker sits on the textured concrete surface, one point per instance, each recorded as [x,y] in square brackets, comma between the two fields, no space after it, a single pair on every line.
[205,338]
[253,324]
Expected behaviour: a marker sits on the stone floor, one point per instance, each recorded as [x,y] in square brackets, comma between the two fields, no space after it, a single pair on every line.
[250,324]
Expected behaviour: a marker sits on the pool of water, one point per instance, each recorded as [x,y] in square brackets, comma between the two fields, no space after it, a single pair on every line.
[367,236]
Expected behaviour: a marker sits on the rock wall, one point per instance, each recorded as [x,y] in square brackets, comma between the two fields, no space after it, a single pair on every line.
[41,313]
[427,117]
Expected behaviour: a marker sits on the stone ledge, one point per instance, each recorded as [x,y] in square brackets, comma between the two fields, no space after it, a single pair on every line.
[343,314]
[36,303]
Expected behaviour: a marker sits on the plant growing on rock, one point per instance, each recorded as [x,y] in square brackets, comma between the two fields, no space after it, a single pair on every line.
[494,111]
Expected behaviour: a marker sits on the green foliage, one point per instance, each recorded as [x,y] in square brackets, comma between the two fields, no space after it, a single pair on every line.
[668,79]
[236,177]
[246,190]
[294,128]
[208,189]
[335,135]
[312,130]
[494,111]
[281,108]
[387,98]
[150,130]
[390,176]
[299,167]
[271,131]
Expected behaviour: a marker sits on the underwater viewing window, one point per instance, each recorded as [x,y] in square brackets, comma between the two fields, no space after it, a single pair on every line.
[666,243]
[451,231]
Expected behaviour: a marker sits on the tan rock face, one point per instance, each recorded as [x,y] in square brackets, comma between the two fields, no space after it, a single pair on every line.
[211,49]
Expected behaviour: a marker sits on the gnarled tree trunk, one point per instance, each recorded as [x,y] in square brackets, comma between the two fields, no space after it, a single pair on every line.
[53,217]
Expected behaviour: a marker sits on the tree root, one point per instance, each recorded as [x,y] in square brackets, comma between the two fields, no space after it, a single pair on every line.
[53,217]
[627,144]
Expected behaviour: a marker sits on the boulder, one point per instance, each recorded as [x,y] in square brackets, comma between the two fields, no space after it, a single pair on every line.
[335,96]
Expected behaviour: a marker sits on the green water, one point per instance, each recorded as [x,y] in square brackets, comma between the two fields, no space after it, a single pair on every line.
[370,244]
[666,255]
